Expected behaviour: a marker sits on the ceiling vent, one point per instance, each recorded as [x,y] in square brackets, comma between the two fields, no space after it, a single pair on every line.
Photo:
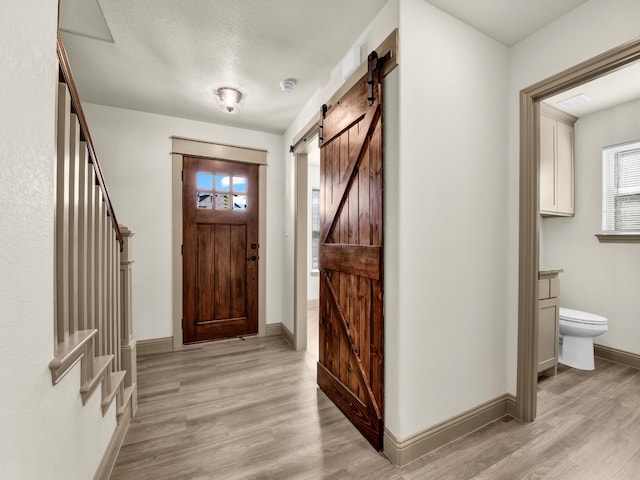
[574,101]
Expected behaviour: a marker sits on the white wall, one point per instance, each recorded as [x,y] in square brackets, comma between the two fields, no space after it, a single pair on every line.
[602,278]
[450,211]
[592,28]
[45,432]
[313,176]
[134,152]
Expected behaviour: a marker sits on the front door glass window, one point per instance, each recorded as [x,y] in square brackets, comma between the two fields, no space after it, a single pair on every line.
[222,192]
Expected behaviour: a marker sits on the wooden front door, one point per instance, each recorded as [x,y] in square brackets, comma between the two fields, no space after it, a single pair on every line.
[220,249]
[350,366]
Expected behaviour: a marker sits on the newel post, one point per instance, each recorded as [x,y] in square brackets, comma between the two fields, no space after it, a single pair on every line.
[128,343]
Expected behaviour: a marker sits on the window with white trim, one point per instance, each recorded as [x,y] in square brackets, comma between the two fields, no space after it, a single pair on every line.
[621,188]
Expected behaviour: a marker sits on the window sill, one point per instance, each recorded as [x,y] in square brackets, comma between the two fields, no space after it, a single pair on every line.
[619,237]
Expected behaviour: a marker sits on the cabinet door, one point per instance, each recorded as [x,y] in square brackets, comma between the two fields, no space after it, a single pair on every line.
[548,201]
[564,168]
[548,334]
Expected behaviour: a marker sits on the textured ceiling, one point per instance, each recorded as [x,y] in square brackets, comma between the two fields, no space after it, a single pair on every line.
[168,56]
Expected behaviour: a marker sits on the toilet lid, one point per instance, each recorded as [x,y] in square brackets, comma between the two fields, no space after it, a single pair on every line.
[578,316]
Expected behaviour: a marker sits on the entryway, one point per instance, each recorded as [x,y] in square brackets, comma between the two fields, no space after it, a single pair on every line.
[222,234]
[220,249]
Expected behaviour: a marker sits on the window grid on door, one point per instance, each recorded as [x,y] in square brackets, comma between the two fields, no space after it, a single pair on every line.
[221,191]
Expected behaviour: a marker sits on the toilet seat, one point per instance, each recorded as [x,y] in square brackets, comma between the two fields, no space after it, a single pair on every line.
[578,316]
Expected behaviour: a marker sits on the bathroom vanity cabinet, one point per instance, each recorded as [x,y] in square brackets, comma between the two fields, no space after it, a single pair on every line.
[548,320]
[556,162]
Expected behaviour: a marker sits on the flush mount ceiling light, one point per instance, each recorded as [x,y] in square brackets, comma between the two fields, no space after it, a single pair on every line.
[229,100]
[288,85]
[574,101]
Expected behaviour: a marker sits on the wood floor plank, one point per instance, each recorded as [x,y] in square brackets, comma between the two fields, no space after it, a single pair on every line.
[545,451]
[587,461]
[250,409]
[631,469]
[480,450]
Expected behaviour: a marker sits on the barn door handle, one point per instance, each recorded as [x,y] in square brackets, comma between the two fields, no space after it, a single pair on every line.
[253,258]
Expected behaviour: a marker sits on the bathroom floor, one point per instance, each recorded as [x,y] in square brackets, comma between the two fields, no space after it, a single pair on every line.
[593,422]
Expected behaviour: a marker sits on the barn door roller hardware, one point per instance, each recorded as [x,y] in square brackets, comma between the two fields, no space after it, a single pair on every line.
[372,70]
[375,65]
[323,113]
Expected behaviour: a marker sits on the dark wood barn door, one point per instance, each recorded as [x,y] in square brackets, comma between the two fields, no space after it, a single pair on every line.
[350,366]
[220,249]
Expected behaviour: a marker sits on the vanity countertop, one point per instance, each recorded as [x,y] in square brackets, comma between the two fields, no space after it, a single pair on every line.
[547,272]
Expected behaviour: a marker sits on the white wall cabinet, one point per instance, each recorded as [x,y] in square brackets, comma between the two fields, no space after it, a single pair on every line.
[556,162]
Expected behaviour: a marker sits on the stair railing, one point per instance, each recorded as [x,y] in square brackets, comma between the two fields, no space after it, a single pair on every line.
[93,264]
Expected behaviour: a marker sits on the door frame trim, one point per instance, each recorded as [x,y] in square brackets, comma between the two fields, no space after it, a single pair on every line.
[200,148]
[301,239]
[529,219]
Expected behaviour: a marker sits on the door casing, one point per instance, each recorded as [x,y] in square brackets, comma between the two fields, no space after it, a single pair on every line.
[300,300]
[529,227]
[197,148]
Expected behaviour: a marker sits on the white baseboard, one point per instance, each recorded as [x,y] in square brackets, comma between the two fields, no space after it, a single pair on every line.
[273,329]
[401,452]
[165,344]
[618,356]
[155,345]
[287,334]
[111,453]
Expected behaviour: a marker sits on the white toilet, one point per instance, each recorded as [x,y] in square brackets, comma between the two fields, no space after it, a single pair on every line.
[577,330]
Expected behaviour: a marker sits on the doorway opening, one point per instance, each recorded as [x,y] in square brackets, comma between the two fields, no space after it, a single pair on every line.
[185,147]
[307,235]
[529,218]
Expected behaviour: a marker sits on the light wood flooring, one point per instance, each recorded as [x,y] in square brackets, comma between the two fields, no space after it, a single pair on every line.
[250,409]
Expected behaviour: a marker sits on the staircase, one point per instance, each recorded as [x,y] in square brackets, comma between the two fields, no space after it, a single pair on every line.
[93,268]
